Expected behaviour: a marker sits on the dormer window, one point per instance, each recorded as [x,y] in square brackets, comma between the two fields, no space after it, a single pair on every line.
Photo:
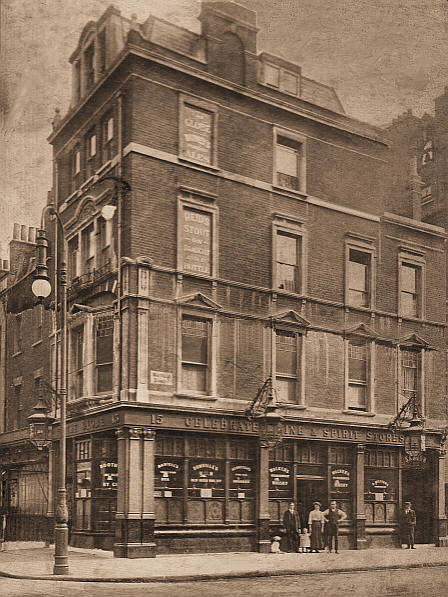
[281,78]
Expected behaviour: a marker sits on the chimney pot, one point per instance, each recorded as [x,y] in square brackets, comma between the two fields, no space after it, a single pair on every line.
[32,234]
[23,232]
[16,232]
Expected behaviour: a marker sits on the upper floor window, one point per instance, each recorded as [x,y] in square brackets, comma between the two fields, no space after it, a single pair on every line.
[357,390]
[409,374]
[359,265]
[91,154]
[286,365]
[104,352]
[108,136]
[89,66]
[288,261]
[73,252]
[75,168]
[411,278]
[77,361]
[197,130]
[289,163]
[104,242]
[88,249]
[195,354]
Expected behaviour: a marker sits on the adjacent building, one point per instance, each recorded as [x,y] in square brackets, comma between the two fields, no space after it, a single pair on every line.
[248,311]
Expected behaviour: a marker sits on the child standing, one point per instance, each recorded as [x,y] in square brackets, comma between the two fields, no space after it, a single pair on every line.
[304,541]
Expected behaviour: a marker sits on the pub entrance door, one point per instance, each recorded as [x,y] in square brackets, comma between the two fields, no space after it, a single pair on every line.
[418,489]
[310,488]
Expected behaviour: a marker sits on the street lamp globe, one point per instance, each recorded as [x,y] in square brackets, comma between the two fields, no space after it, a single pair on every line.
[41,288]
[108,211]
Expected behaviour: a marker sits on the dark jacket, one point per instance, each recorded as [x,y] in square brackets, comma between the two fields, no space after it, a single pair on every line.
[291,521]
[409,517]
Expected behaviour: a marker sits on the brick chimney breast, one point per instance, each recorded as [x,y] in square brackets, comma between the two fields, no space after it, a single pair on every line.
[231,34]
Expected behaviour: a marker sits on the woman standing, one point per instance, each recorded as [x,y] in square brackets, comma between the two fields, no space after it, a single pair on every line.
[316,523]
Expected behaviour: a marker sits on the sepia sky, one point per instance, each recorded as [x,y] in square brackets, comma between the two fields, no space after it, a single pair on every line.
[382,56]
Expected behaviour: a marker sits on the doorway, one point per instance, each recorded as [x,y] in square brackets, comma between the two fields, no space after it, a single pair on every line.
[310,488]
[418,489]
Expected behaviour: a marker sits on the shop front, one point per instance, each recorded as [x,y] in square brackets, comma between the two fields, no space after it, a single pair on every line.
[150,481]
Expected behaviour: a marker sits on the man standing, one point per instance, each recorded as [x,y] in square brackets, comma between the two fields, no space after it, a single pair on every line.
[333,516]
[292,524]
[409,521]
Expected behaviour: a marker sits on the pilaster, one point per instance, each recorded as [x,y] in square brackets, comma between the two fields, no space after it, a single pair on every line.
[134,532]
[441,526]
[263,514]
[359,511]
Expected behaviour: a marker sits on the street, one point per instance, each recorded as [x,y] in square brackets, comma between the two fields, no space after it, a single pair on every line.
[384,583]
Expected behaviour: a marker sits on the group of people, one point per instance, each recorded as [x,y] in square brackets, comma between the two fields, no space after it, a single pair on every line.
[323,528]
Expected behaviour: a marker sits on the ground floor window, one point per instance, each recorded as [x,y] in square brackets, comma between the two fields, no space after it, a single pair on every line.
[201,479]
[381,485]
[95,483]
[305,472]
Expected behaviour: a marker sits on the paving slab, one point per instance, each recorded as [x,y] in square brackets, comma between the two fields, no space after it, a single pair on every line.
[96,565]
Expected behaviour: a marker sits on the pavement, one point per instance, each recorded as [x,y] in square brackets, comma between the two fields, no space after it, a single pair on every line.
[91,565]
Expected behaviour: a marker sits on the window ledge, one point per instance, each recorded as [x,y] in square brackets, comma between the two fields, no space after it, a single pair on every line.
[36,343]
[196,396]
[198,163]
[103,167]
[285,190]
[361,413]
[16,354]
[291,406]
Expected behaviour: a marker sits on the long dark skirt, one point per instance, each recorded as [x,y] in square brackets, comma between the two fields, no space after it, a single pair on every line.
[316,535]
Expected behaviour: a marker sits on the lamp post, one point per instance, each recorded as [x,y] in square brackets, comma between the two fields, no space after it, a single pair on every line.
[42,288]
[40,425]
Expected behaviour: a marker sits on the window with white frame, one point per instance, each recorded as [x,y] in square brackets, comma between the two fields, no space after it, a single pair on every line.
[197,131]
[91,154]
[358,274]
[409,365]
[104,242]
[195,354]
[271,75]
[411,291]
[289,161]
[108,138]
[288,261]
[358,374]
[287,358]
[75,168]
[77,361]
[104,352]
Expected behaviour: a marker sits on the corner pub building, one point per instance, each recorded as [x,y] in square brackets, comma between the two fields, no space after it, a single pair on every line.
[251,262]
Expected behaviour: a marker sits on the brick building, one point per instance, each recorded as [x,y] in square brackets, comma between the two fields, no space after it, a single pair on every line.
[25,327]
[252,261]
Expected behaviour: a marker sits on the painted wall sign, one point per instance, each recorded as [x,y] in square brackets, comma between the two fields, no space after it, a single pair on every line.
[197,236]
[162,378]
[196,134]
